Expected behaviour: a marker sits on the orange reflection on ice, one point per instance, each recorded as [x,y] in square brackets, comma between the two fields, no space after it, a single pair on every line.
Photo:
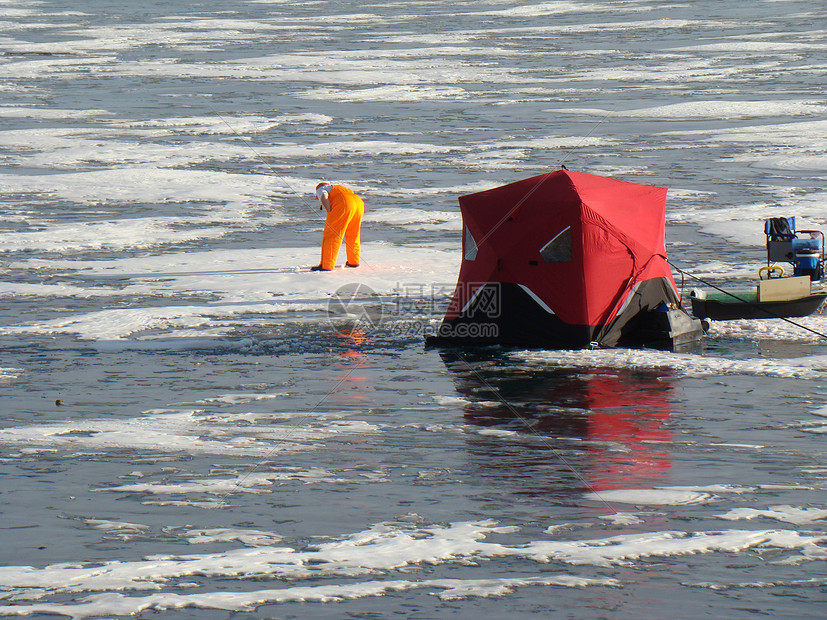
[350,386]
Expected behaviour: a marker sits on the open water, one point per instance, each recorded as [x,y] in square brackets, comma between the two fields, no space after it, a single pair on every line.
[186,432]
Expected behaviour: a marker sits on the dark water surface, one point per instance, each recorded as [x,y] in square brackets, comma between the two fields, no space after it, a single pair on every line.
[184,431]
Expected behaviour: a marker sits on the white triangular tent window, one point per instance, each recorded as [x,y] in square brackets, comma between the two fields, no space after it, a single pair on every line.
[558,250]
[470,246]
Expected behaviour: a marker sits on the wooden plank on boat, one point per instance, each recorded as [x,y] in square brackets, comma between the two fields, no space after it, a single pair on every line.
[782,289]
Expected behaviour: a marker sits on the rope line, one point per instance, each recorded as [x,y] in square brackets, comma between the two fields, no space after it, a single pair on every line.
[747,301]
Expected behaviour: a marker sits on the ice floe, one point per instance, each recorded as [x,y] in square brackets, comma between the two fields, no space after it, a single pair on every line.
[381,549]
[688,365]
[787,514]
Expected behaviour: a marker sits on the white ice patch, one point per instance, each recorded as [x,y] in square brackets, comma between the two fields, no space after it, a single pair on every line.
[187,432]
[51,113]
[746,446]
[815,427]
[333,148]
[789,145]
[499,432]
[249,538]
[651,497]
[110,235]
[751,47]
[116,526]
[117,324]
[684,364]
[540,9]
[815,582]
[241,601]
[251,482]
[713,109]
[417,219]
[10,373]
[821,411]
[553,142]
[237,399]
[393,93]
[451,401]
[232,124]
[232,194]
[262,282]
[382,548]
[785,513]
[622,518]
[800,329]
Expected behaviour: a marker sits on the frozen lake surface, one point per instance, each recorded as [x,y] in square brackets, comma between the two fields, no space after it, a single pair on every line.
[186,432]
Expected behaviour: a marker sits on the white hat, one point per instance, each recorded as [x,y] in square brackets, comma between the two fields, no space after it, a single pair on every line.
[323,188]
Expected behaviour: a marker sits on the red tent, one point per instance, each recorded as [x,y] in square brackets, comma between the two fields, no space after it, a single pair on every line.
[561,260]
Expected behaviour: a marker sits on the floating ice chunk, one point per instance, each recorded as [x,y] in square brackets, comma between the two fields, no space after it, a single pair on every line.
[250,538]
[785,583]
[686,364]
[112,235]
[121,526]
[623,518]
[382,547]
[238,283]
[821,411]
[116,604]
[182,431]
[417,219]
[10,373]
[247,483]
[394,92]
[50,113]
[656,497]
[498,432]
[463,588]
[818,426]
[451,401]
[236,399]
[625,548]
[540,9]
[785,513]
[715,109]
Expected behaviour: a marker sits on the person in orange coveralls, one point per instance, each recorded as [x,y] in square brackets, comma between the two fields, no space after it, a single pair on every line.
[344,218]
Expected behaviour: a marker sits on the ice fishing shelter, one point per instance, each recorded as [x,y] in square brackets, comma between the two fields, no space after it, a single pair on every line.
[565,260]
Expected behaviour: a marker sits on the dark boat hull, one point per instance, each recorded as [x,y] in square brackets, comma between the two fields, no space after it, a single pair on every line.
[731,309]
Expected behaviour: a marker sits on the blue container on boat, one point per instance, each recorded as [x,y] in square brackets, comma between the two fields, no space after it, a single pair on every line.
[803,248]
[807,243]
[808,263]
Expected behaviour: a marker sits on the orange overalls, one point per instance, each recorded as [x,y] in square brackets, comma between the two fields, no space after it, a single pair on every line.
[343,219]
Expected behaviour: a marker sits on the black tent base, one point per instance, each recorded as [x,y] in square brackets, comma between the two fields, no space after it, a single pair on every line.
[674,330]
[507,314]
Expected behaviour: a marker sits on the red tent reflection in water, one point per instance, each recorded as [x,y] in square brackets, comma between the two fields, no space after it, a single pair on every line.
[610,425]
[634,418]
